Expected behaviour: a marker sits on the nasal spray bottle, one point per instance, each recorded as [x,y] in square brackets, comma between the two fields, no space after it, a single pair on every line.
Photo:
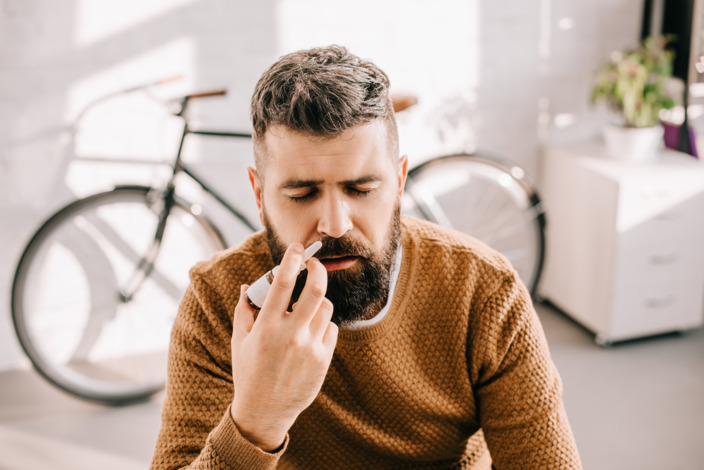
[256,293]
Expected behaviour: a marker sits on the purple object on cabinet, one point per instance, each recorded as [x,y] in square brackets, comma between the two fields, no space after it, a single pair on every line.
[672,137]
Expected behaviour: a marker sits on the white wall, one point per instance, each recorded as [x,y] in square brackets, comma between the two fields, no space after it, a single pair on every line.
[505,76]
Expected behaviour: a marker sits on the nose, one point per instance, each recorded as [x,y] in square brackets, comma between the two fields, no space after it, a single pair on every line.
[334,220]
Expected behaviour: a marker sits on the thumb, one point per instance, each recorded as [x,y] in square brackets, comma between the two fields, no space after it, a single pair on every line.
[244,315]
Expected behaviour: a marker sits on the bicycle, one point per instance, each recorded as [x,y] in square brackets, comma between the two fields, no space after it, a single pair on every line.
[98,285]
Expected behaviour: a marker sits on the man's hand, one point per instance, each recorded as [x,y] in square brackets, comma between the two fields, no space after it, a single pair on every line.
[279,363]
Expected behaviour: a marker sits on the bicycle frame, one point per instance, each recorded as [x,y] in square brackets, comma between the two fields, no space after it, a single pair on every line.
[179,166]
[146,264]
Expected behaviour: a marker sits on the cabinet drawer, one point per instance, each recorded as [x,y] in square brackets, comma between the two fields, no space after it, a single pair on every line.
[663,249]
[640,270]
[657,309]
[667,195]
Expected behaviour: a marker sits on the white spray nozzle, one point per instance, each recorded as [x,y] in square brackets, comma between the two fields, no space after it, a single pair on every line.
[257,291]
[311,250]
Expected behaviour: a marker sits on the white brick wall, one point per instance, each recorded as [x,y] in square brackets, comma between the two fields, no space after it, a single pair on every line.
[497,65]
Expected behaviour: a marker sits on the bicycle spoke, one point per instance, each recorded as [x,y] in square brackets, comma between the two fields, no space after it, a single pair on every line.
[66,308]
[125,249]
[428,205]
[484,199]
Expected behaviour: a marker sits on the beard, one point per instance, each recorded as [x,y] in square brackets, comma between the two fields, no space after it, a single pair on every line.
[360,291]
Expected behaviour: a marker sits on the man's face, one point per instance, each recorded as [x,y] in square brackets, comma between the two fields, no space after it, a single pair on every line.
[344,191]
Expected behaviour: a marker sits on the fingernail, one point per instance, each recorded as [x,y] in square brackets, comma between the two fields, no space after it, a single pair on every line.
[297,247]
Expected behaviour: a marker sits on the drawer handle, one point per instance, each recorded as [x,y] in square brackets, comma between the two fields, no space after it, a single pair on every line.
[664,259]
[660,303]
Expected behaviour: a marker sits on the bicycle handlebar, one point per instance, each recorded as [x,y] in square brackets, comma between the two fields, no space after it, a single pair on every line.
[184,100]
[206,94]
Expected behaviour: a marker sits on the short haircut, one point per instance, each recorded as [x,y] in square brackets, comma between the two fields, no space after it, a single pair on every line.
[322,92]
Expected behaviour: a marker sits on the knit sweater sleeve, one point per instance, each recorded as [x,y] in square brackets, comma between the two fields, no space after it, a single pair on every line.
[517,387]
[197,429]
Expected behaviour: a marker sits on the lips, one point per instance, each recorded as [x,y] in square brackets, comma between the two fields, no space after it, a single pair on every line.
[338,262]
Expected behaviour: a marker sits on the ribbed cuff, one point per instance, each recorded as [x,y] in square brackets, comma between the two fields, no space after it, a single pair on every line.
[235,451]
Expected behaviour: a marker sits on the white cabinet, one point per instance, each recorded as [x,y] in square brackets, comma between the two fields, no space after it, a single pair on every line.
[625,241]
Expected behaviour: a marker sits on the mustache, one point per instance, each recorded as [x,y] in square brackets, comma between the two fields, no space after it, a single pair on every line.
[343,246]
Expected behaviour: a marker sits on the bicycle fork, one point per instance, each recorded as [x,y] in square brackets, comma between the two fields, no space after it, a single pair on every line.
[146,263]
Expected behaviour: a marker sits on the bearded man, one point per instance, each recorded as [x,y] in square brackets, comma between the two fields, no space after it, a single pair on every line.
[404,345]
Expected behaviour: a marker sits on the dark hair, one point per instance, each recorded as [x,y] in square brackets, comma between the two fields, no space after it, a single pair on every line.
[322,92]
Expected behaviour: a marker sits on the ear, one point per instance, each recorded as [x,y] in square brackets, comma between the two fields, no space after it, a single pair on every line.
[257,188]
[402,173]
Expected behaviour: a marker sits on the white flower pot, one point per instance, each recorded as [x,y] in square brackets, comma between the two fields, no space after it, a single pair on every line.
[640,144]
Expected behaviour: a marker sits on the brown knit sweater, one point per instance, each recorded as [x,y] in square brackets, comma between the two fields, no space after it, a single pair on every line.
[457,375]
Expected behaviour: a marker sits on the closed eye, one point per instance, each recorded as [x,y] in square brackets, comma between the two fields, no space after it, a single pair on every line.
[310,194]
[361,192]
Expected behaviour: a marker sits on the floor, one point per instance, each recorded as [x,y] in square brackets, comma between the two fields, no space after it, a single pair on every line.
[637,405]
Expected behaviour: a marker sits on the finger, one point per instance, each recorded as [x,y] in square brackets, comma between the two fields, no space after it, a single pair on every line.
[321,319]
[330,338]
[313,292]
[279,295]
[244,315]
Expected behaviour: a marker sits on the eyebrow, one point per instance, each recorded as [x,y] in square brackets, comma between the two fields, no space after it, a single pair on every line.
[295,184]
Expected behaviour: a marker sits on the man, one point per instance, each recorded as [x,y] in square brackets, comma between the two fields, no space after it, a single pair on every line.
[405,345]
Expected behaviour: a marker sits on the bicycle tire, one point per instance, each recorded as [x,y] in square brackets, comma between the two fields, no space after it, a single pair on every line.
[488,198]
[66,307]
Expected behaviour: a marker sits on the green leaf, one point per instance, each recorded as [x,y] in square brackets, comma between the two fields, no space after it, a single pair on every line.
[633,82]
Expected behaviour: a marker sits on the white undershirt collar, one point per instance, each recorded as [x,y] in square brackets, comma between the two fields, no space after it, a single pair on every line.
[395,270]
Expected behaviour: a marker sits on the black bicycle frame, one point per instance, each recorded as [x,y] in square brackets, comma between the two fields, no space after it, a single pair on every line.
[146,264]
[179,166]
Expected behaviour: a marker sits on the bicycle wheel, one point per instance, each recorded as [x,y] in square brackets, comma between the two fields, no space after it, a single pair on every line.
[71,319]
[486,198]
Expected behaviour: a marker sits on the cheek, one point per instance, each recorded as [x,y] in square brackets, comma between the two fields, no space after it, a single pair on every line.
[377,219]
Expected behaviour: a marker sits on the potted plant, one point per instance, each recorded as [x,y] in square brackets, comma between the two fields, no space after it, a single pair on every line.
[633,84]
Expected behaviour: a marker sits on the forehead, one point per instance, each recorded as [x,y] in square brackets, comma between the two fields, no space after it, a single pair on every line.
[357,152]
